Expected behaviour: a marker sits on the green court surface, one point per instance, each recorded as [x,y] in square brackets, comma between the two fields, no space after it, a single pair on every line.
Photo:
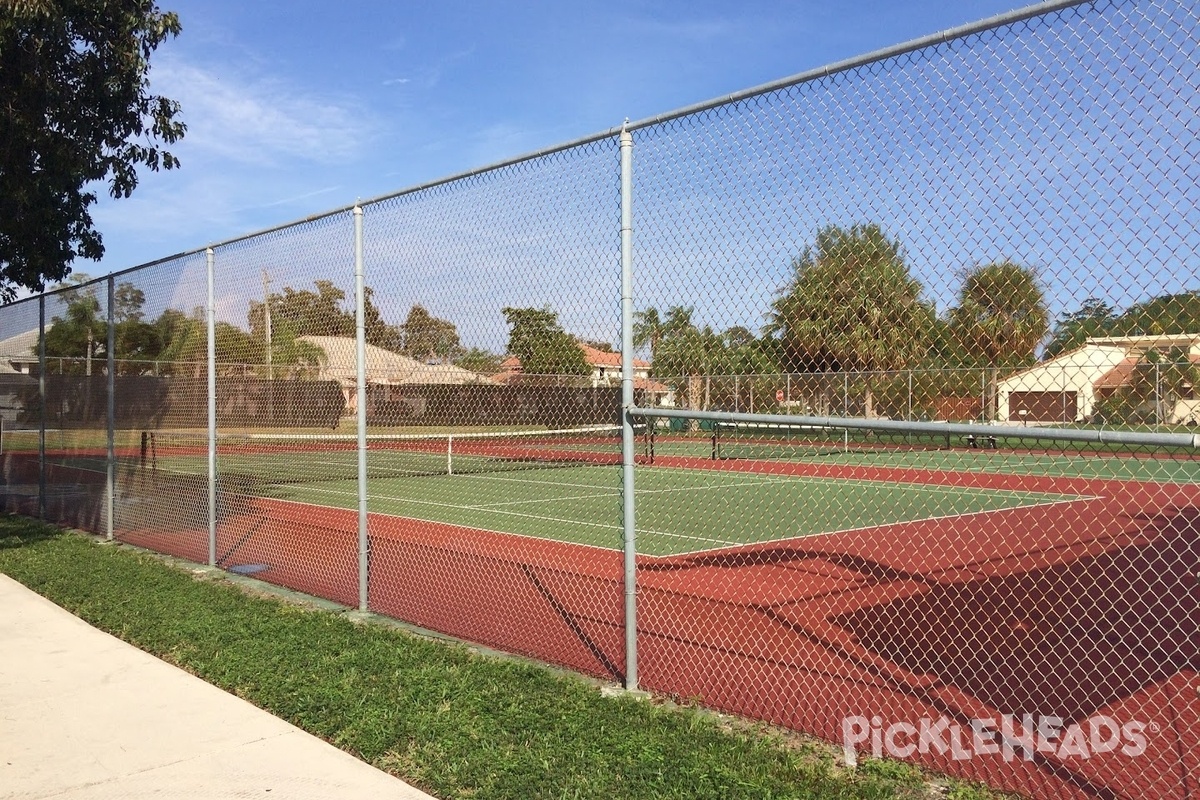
[679,510]
[1125,464]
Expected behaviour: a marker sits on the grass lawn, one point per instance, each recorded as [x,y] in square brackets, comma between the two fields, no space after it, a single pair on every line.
[451,720]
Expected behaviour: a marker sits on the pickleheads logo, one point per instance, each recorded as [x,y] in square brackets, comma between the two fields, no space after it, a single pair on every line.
[1007,736]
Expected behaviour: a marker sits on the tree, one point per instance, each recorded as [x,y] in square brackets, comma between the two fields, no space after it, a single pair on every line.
[136,343]
[738,352]
[544,348]
[77,110]
[377,331]
[428,338]
[1155,385]
[648,330]
[852,306]
[308,313]
[1171,314]
[686,356]
[80,334]
[1094,318]
[479,360]
[1001,316]
[185,345]
[304,312]
[1000,320]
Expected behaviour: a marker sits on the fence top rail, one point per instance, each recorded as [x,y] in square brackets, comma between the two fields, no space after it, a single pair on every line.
[1099,436]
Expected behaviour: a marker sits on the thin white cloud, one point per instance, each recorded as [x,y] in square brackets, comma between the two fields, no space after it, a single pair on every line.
[397,81]
[260,121]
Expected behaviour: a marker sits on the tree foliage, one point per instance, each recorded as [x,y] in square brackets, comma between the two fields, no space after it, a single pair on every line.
[1167,315]
[1157,382]
[1094,318]
[323,312]
[79,334]
[428,338]
[1001,316]
[479,360]
[852,305]
[544,348]
[77,110]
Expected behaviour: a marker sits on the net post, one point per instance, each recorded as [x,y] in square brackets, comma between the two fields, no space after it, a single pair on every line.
[450,454]
[110,461]
[211,357]
[627,404]
[360,336]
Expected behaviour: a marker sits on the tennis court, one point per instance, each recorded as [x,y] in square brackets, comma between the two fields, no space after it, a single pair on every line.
[1005,453]
[565,486]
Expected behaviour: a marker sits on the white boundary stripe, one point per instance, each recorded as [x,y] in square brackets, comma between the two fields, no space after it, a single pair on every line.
[902,522]
[772,479]
[512,514]
[451,524]
[649,532]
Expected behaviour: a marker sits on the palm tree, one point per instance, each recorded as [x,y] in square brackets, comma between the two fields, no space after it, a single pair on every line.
[648,330]
[1000,320]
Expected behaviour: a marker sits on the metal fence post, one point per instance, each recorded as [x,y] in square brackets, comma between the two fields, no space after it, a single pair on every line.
[210,317]
[110,453]
[360,334]
[42,407]
[627,433]
[1158,400]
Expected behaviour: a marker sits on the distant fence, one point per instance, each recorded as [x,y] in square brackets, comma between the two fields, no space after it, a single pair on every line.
[896,444]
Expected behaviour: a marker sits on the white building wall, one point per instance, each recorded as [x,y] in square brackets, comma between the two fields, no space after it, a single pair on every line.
[1076,371]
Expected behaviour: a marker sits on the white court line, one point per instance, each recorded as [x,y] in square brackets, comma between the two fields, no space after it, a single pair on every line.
[608,492]
[524,516]
[861,528]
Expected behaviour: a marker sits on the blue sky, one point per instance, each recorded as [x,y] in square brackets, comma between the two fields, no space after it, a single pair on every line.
[298,107]
[1061,143]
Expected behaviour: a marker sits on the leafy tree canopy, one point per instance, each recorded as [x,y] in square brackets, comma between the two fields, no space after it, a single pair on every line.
[852,305]
[1094,318]
[544,348]
[77,109]
[80,333]
[479,360]
[1171,314]
[323,312]
[429,338]
[1001,317]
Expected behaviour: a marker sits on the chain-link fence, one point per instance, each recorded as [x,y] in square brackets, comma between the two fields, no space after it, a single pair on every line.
[862,403]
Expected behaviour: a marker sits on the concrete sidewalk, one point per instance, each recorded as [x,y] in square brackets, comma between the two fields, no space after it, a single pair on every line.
[84,715]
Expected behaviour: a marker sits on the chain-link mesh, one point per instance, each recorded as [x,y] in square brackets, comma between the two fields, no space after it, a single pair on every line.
[502,285]
[997,230]
[160,383]
[279,298]
[76,406]
[914,347]
[20,407]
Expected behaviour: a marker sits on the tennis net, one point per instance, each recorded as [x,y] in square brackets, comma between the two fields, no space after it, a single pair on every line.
[303,458]
[761,440]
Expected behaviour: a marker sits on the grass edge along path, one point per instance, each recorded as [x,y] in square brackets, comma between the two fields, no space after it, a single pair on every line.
[442,716]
